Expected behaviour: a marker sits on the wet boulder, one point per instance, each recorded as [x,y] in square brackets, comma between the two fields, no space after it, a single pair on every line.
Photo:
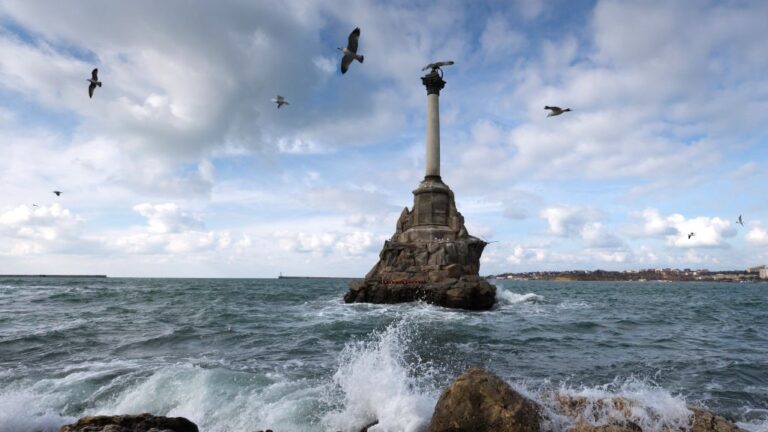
[131,423]
[480,401]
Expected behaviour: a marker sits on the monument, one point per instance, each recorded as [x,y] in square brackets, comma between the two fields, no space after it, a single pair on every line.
[431,257]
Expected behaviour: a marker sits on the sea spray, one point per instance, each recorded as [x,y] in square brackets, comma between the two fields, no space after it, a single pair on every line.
[506,297]
[220,400]
[639,401]
[376,383]
[22,410]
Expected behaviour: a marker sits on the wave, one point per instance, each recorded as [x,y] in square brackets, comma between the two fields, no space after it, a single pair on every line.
[642,402]
[374,382]
[507,297]
[376,378]
[24,410]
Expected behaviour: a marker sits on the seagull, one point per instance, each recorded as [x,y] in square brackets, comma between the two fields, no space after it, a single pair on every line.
[350,51]
[437,65]
[739,221]
[94,82]
[556,111]
[691,235]
[35,205]
[280,101]
[58,193]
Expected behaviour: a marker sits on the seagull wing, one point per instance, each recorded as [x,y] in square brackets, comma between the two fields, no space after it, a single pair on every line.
[91,88]
[553,108]
[345,61]
[353,38]
[95,74]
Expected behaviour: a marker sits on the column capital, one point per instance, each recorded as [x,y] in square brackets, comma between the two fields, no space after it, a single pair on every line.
[434,82]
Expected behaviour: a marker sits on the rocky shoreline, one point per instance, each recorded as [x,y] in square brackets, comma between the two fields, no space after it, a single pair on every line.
[477,401]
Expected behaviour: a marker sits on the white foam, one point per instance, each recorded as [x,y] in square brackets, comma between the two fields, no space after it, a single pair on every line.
[376,384]
[651,407]
[505,296]
[754,426]
[24,411]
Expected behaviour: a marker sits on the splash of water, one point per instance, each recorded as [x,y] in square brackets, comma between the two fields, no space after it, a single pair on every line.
[508,297]
[376,383]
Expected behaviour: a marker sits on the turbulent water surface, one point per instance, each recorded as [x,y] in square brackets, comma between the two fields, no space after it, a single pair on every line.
[240,355]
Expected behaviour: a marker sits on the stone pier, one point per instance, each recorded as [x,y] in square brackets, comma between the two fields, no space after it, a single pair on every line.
[431,257]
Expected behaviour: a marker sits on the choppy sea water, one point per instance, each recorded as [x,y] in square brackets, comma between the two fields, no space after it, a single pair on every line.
[241,355]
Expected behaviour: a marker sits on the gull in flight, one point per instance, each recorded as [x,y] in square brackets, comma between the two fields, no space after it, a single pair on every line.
[437,65]
[350,51]
[58,193]
[691,235]
[739,221]
[280,101]
[555,111]
[94,82]
[35,205]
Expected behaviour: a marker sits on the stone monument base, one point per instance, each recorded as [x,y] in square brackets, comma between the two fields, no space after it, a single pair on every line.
[466,292]
[431,257]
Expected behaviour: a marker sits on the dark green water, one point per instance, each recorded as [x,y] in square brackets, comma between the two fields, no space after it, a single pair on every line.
[236,355]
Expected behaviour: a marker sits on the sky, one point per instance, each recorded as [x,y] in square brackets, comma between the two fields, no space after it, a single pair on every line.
[181,166]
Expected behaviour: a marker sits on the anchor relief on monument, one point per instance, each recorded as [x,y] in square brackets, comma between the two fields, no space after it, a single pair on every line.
[431,257]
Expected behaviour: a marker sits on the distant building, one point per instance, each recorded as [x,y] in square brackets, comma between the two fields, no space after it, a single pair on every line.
[764,273]
[756,269]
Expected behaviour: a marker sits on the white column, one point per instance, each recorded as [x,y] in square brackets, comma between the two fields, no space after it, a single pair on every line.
[433,135]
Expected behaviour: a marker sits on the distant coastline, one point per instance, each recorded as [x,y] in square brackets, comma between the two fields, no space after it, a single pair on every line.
[315,277]
[49,276]
[755,274]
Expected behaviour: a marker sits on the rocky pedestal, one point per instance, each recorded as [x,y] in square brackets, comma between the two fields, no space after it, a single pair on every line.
[431,257]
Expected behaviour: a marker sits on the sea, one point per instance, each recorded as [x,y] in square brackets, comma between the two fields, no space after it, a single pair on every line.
[289,355]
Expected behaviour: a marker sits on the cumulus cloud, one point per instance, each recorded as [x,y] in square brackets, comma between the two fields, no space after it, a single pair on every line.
[184,117]
[520,254]
[171,231]
[27,230]
[167,218]
[758,236]
[499,39]
[325,243]
[709,231]
[568,221]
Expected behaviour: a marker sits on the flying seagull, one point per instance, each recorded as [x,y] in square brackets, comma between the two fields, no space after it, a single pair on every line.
[35,205]
[739,221]
[556,111]
[280,101]
[437,65]
[350,51]
[58,193]
[691,235]
[94,82]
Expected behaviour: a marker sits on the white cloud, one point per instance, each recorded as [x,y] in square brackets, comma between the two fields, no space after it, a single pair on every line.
[499,39]
[596,235]
[758,236]
[326,243]
[568,221]
[675,228]
[521,254]
[167,218]
[28,230]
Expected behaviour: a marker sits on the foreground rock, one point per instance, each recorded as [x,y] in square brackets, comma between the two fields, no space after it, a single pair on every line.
[480,401]
[131,423]
[431,257]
